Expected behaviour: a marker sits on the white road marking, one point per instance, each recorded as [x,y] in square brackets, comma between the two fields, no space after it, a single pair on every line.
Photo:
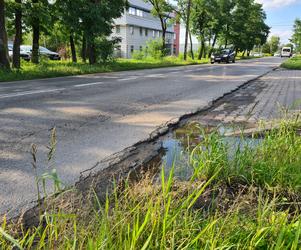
[33,92]
[87,84]
[127,79]
[155,75]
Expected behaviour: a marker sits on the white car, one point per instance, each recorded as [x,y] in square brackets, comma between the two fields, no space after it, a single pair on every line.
[277,54]
[286,52]
[10,51]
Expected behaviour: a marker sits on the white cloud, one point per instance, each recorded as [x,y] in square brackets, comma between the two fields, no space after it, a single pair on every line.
[284,34]
[270,4]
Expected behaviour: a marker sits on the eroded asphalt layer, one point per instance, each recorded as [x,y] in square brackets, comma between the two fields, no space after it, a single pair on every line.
[99,115]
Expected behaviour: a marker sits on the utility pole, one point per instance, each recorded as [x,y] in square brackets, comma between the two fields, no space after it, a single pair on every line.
[187,29]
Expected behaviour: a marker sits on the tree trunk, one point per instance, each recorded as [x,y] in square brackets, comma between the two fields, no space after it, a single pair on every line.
[187,29]
[84,49]
[18,35]
[92,56]
[35,37]
[202,50]
[213,45]
[164,41]
[73,51]
[164,28]
[243,53]
[4,61]
[191,46]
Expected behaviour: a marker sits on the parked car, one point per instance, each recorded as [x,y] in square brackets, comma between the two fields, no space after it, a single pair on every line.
[286,52]
[257,54]
[43,52]
[50,54]
[277,54]
[224,55]
[23,54]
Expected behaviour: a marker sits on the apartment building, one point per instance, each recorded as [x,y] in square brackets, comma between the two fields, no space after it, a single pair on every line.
[137,26]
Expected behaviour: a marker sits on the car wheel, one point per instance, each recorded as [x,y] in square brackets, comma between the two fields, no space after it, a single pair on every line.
[233,61]
[212,62]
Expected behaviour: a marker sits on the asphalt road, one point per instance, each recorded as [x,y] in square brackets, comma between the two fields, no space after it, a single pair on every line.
[98,115]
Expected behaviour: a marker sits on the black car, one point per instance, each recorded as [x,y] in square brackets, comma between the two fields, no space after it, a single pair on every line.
[23,54]
[224,55]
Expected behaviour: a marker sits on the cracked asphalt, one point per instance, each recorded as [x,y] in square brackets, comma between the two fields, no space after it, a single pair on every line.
[98,115]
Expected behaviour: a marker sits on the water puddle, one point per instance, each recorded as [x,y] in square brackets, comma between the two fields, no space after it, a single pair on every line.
[179,144]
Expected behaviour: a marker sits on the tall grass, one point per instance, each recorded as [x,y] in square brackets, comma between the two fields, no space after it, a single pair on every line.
[247,201]
[48,69]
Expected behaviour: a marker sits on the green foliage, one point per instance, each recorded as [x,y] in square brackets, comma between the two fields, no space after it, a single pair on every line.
[152,50]
[296,38]
[292,63]
[105,48]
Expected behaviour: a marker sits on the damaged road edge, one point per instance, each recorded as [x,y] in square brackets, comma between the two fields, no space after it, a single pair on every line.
[118,167]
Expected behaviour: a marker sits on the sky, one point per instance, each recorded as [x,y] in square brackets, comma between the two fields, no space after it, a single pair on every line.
[281,15]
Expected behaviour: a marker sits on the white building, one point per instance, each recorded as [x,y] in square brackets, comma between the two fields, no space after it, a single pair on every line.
[195,42]
[137,26]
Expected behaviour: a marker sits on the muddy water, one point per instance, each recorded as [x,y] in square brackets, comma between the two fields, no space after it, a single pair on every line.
[179,144]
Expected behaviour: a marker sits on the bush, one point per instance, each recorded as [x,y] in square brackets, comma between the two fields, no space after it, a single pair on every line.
[138,55]
[105,48]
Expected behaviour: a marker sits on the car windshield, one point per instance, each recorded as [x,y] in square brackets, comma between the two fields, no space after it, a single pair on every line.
[225,51]
[43,49]
[10,47]
[286,50]
[26,48]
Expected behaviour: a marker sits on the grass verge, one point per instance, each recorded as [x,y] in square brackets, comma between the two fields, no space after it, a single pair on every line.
[249,199]
[292,63]
[49,69]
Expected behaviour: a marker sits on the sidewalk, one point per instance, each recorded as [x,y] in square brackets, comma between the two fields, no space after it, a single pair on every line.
[262,99]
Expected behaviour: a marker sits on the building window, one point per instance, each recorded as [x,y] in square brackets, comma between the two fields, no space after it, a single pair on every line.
[175,36]
[154,33]
[132,30]
[141,48]
[146,32]
[132,11]
[158,33]
[118,29]
[141,31]
[132,49]
[139,13]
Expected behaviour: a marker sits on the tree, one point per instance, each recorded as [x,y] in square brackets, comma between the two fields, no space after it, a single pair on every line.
[18,34]
[296,38]
[187,28]
[201,17]
[70,22]
[248,27]
[4,61]
[97,20]
[162,9]
[274,44]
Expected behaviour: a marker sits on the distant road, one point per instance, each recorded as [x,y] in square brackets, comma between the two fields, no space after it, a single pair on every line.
[98,115]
